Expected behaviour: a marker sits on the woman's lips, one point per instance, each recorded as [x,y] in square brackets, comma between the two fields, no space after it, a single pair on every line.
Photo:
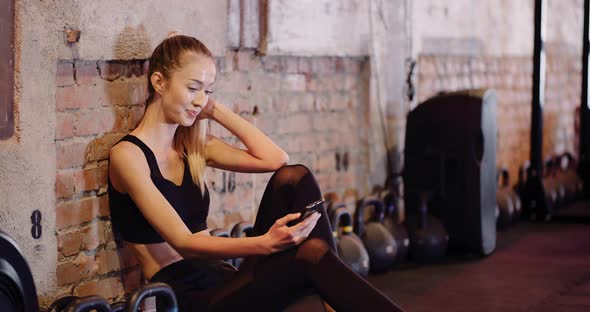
[193,113]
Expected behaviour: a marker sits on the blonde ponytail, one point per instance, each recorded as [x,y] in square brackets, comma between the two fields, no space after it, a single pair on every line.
[190,143]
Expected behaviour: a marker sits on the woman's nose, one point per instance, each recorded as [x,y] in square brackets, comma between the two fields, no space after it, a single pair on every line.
[200,98]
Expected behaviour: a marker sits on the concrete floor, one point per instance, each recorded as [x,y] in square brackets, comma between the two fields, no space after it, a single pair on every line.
[535,267]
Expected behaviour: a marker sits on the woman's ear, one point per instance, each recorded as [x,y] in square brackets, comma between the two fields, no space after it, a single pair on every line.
[158,82]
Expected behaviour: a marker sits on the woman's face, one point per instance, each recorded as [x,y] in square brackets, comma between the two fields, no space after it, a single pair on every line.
[188,88]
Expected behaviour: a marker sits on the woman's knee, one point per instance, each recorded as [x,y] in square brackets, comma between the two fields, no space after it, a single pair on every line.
[289,174]
[312,250]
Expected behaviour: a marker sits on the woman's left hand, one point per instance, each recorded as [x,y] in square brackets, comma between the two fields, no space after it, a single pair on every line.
[207,111]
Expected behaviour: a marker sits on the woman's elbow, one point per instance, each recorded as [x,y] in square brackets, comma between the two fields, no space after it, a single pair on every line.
[282,160]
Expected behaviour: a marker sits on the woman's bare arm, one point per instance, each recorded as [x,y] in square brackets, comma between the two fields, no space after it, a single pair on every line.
[261,153]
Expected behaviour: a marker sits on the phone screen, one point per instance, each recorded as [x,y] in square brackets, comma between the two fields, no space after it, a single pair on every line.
[311,208]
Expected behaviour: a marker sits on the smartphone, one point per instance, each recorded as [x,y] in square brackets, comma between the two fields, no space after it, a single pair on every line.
[311,208]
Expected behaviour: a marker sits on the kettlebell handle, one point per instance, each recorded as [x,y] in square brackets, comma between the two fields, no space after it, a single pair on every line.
[341,220]
[360,210]
[242,229]
[161,290]
[89,303]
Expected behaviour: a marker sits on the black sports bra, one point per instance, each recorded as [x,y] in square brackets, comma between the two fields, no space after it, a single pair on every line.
[128,222]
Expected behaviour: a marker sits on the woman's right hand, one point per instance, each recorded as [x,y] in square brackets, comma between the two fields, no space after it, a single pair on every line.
[280,236]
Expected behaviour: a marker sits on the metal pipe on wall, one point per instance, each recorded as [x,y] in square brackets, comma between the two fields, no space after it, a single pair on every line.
[584,167]
[536,207]
[539,59]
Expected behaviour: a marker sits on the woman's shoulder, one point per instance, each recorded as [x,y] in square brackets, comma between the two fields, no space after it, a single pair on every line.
[124,149]
[125,154]
[126,167]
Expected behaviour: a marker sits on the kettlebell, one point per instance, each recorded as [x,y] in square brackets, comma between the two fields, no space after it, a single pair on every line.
[219,232]
[503,199]
[558,183]
[516,201]
[89,303]
[428,237]
[521,190]
[242,229]
[60,304]
[119,306]
[349,246]
[394,226]
[572,182]
[551,192]
[160,290]
[350,198]
[379,242]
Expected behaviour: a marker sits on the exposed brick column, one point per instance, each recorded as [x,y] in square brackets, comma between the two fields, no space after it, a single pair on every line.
[97,102]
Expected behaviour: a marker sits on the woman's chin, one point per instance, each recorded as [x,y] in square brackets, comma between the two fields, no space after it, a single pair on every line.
[188,122]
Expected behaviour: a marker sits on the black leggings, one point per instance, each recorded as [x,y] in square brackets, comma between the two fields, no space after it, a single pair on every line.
[266,283]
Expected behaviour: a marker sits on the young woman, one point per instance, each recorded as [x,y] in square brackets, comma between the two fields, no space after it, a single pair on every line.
[159,202]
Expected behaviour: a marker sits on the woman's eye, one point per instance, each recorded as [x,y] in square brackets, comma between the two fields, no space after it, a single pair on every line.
[193,89]
[208,92]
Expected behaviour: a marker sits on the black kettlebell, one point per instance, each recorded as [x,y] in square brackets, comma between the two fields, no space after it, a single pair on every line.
[119,306]
[392,223]
[516,201]
[219,232]
[550,187]
[17,287]
[60,304]
[89,303]
[377,239]
[559,181]
[521,190]
[572,182]
[242,229]
[222,233]
[349,246]
[160,290]
[428,237]
[560,174]
[504,199]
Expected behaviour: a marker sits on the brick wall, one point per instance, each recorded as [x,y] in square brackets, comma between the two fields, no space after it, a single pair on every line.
[313,107]
[511,77]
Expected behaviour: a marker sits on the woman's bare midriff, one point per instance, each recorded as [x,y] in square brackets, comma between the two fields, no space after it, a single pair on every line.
[153,257]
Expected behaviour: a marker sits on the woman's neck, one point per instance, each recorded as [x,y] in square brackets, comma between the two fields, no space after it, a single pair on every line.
[155,129]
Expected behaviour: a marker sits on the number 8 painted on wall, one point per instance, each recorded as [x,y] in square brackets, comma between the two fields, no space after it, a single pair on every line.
[36,230]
